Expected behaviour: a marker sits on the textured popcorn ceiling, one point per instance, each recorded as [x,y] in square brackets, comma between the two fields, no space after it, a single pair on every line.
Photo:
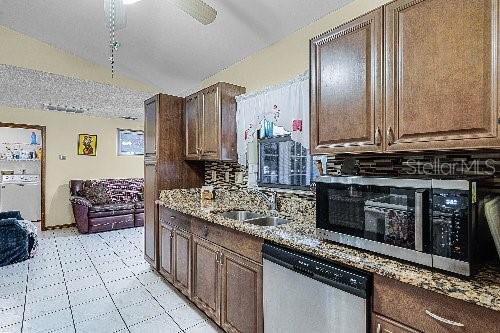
[31,89]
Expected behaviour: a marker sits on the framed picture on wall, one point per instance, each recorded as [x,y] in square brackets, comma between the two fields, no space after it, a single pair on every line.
[87,144]
[130,142]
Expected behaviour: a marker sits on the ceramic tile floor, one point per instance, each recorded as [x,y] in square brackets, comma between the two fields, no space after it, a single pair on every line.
[92,283]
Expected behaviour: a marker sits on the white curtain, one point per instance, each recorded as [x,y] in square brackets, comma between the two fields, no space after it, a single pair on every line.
[286,105]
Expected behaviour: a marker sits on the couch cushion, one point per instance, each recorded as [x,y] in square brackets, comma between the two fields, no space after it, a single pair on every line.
[96,193]
[111,207]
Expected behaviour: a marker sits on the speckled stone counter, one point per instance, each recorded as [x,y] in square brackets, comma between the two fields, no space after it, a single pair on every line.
[483,289]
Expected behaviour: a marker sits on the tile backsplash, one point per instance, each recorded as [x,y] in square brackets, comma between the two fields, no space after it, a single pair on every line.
[459,163]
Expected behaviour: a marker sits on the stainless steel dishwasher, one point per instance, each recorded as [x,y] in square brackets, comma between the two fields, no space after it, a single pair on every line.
[304,294]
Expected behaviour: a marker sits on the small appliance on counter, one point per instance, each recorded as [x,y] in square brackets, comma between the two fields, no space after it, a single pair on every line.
[428,221]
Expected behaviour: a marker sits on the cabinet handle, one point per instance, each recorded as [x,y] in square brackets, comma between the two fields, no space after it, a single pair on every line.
[390,136]
[378,137]
[171,235]
[221,258]
[217,257]
[379,328]
[443,320]
[172,217]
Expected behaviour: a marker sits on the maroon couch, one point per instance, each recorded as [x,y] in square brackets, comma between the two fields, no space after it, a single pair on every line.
[107,204]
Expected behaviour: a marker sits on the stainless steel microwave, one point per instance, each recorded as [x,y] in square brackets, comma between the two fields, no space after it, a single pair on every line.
[431,222]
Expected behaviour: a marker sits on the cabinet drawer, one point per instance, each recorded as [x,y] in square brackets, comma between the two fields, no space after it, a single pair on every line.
[174,219]
[385,325]
[428,311]
[245,245]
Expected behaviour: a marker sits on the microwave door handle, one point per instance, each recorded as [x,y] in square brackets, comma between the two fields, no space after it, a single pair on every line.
[419,223]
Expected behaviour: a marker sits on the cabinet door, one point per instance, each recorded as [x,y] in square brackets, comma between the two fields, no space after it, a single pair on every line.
[150,211]
[206,278]
[210,124]
[241,308]
[192,121]
[384,325]
[182,264]
[346,87]
[150,112]
[441,74]
[166,251]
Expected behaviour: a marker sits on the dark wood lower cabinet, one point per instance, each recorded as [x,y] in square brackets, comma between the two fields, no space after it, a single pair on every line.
[225,284]
[166,251]
[182,261]
[206,289]
[241,294]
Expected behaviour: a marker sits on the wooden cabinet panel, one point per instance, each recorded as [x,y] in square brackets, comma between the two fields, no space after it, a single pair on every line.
[182,261]
[441,74]
[243,244]
[205,291]
[166,251]
[241,308]
[150,211]
[210,123]
[385,325]
[150,109]
[346,87]
[192,120]
[427,311]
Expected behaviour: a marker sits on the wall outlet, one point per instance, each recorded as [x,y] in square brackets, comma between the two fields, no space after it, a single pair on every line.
[214,175]
[238,177]
[226,176]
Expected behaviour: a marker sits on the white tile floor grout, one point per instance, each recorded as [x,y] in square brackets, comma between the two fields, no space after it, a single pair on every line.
[93,283]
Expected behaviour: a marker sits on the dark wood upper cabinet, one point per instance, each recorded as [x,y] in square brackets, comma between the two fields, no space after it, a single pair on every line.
[192,120]
[346,87]
[206,277]
[441,62]
[150,112]
[241,294]
[210,123]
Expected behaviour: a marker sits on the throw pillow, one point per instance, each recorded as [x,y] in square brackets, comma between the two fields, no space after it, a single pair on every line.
[96,194]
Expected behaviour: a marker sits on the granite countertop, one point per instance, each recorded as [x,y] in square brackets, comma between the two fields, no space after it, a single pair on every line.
[482,289]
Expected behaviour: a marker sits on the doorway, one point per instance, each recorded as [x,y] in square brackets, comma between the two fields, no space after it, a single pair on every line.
[22,154]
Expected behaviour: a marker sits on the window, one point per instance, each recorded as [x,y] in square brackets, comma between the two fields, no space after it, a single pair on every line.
[282,161]
[130,142]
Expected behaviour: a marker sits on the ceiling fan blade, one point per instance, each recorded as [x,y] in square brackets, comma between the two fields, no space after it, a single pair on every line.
[197,9]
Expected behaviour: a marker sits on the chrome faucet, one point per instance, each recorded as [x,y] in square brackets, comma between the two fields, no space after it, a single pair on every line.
[271,200]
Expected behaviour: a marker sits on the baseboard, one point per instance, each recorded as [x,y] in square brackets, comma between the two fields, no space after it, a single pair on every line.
[57,227]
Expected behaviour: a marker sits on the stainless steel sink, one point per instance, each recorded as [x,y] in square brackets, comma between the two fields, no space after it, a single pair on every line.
[241,215]
[267,221]
[254,218]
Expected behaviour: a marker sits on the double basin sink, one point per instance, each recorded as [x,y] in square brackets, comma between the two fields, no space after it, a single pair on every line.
[254,218]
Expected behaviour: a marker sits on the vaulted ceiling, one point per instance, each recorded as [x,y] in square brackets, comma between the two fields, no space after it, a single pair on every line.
[161,45]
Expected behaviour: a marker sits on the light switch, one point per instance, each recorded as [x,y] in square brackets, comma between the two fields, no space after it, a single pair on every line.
[62,157]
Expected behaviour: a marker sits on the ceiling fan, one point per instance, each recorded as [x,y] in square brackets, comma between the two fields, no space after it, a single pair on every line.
[197,9]
[116,18]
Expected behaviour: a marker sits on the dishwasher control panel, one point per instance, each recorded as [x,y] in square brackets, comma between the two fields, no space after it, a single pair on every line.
[347,279]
